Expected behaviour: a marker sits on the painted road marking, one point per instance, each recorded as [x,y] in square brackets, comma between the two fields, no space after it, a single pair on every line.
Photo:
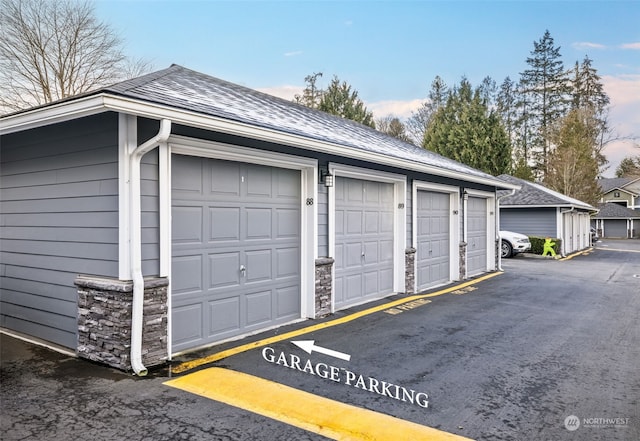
[309,346]
[192,364]
[579,253]
[310,412]
[407,306]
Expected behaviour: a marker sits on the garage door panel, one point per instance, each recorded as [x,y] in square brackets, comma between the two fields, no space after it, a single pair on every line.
[371,222]
[288,223]
[190,221]
[353,255]
[224,270]
[191,316]
[259,182]
[251,215]
[224,316]
[287,263]
[353,287]
[186,274]
[258,223]
[258,266]
[371,285]
[288,301]
[225,178]
[354,222]
[259,306]
[187,177]
[224,224]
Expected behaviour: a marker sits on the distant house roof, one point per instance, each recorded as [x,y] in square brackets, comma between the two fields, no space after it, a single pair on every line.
[193,98]
[536,195]
[609,184]
[611,210]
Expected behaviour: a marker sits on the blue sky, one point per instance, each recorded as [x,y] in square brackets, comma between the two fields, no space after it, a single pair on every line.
[389,51]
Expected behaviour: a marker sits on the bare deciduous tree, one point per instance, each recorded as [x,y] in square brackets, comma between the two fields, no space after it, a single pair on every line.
[53,49]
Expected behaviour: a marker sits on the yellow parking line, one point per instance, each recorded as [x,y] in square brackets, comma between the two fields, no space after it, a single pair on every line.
[579,253]
[301,409]
[192,364]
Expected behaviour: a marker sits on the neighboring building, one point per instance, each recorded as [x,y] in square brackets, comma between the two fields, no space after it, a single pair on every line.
[622,191]
[175,210]
[535,210]
[615,221]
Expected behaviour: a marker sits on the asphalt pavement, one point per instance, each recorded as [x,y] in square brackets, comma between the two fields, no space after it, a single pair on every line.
[547,350]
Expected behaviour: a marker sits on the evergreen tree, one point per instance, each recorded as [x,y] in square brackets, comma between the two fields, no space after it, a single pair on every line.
[588,94]
[339,99]
[466,130]
[545,90]
[629,167]
[311,94]
[572,168]
[418,122]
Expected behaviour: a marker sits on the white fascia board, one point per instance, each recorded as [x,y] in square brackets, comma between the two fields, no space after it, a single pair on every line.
[55,113]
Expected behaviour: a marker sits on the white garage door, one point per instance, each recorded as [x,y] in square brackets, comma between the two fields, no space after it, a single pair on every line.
[433,239]
[476,236]
[363,241]
[235,249]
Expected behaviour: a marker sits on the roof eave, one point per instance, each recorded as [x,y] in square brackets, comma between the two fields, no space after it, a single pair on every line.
[102,102]
[592,209]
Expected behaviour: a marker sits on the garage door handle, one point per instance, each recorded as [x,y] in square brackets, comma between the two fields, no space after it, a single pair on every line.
[243,270]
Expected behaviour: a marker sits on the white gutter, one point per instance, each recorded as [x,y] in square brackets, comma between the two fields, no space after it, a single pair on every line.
[135,246]
[513,191]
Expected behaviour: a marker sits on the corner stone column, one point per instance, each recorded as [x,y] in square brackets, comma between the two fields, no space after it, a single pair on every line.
[463,260]
[410,270]
[104,321]
[324,265]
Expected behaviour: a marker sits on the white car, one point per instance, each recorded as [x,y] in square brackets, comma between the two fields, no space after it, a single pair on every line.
[512,243]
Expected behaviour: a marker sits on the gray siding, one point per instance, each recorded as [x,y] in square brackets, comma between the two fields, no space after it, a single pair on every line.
[529,221]
[59,218]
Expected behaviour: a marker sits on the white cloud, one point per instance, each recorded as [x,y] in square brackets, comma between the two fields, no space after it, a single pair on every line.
[633,46]
[287,92]
[588,45]
[292,53]
[624,118]
[401,109]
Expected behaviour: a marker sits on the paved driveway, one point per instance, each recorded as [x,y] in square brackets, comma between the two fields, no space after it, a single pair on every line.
[547,350]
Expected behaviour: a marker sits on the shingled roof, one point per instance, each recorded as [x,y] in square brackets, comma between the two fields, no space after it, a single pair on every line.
[192,98]
[611,210]
[186,89]
[536,195]
[608,184]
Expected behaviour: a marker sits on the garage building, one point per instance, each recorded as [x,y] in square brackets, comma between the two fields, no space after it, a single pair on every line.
[175,211]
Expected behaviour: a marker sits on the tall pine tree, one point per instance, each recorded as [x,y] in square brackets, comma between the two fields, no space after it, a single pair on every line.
[545,89]
[465,129]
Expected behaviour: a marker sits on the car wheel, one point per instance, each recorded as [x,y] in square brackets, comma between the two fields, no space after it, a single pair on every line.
[507,249]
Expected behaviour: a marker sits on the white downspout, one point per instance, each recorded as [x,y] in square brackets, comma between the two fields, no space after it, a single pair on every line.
[135,157]
[513,191]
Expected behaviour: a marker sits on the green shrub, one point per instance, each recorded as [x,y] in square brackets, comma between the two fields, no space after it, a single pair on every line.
[537,244]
